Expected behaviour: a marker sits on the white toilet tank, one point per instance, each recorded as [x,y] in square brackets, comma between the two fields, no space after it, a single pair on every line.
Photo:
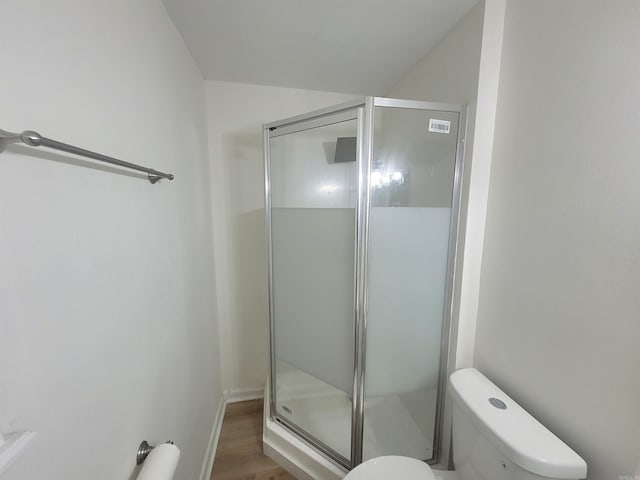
[496,439]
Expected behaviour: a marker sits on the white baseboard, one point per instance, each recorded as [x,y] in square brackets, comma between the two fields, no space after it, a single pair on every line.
[229,396]
[207,466]
[243,394]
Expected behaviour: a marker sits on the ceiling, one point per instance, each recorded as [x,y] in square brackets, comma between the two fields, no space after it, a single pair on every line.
[352,46]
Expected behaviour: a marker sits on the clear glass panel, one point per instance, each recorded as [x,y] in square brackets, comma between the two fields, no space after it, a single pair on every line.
[412,179]
[313,194]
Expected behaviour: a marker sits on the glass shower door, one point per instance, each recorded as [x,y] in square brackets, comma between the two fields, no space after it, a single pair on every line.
[312,183]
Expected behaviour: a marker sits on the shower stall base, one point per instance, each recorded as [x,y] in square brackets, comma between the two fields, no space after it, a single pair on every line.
[292,453]
[393,422]
[393,425]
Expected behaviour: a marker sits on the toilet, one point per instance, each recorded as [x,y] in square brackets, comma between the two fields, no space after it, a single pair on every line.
[493,439]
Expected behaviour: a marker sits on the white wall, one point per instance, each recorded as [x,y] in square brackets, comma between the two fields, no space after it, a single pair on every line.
[107,311]
[235,115]
[559,318]
[449,72]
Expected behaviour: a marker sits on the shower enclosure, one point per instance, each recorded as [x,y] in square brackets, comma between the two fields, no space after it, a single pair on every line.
[362,205]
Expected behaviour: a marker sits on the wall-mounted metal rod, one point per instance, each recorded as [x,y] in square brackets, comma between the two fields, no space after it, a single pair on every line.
[34,139]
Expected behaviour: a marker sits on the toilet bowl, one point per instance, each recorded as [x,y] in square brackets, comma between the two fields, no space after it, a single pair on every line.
[493,439]
[397,467]
[389,467]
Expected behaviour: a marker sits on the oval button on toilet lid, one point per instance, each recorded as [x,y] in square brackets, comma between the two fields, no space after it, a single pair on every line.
[384,468]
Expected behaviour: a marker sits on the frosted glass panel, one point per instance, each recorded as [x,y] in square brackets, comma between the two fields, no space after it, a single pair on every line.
[407,272]
[313,291]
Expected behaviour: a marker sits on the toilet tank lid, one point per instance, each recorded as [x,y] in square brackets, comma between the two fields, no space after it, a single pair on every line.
[518,435]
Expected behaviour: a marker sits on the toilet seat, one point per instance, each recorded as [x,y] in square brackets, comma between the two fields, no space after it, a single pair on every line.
[384,468]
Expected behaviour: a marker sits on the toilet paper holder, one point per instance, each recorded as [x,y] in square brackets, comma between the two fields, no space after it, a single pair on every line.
[144,449]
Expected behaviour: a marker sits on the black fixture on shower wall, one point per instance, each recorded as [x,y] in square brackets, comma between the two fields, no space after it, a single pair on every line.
[345,150]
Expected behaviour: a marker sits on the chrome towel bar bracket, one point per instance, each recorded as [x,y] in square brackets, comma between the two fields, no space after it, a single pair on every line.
[34,139]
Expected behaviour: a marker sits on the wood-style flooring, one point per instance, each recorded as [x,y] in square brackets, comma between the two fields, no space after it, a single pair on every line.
[239,455]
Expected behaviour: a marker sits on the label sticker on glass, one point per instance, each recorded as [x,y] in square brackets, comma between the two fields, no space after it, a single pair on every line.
[439,126]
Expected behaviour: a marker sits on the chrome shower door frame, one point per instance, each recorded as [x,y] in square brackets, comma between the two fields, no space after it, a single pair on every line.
[320,118]
[364,111]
